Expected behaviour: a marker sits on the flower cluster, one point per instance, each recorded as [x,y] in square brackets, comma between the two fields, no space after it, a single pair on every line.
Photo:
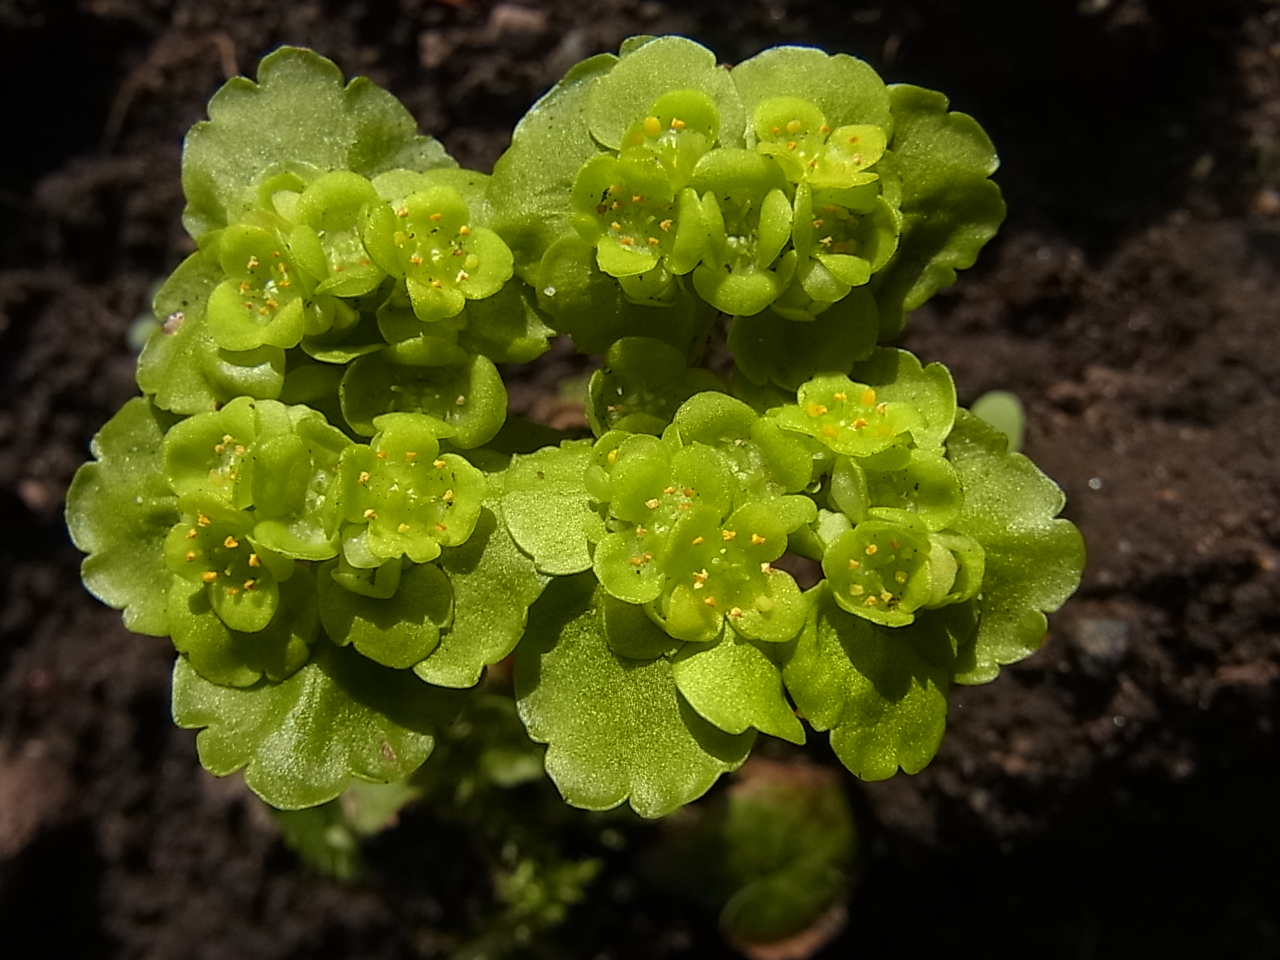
[321,499]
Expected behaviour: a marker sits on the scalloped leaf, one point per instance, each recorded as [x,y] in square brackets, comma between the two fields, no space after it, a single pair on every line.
[339,718]
[396,631]
[547,508]
[616,729]
[120,510]
[734,684]
[494,583]
[881,691]
[645,73]
[532,180]
[1033,561]
[950,208]
[846,90]
[298,113]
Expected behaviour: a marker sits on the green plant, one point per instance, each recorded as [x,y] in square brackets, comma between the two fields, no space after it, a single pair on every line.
[321,499]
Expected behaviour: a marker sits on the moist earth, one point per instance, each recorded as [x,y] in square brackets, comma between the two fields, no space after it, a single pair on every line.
[1113,796]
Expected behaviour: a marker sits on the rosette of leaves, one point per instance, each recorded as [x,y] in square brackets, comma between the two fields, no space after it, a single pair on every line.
[320,500]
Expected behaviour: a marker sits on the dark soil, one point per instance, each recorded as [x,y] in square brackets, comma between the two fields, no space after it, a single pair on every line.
[1113,797]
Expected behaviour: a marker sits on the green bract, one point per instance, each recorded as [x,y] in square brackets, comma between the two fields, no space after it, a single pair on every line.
[321,499]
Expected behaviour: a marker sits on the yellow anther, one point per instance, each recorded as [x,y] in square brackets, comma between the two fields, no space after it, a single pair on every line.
[654,241]
[697,541]
[218,448]
[840,397]
[612,458]
[636,561]
[854,565]
[824,130]
[652,504]
[437,217]
[402,212]
[233,591]
[757,539]
[402,528]
[254,560]
[231,543]
[248,305]
[252,264]
[900,576]
[856,590]
[437,285]
[439,464]
[641,531]
[646,556]
[191,555]
[228,438]
[886,596]
[735,612]
[462,275]
[791,144]
[615,225]
[669,491]
[251,585]
[688,491]
[460,400]
[447,496]
[728,534]
[240,450]
[416,259]
[677,123]
[814,409]
[364,476]
[709,601]
[464,231]
[370,514]
[684,506]
[701,575]
[793,126]
[882,408]
[830,430]
[191,534]
[766,568]
[859,423]
[666,225]
[894,544]
[871,550]
[382,454]
[776,131]
[637,198]
[868,397]
[825,241]
[871,601]
[626,241]
[203,520]
[817,224]
[244,286]
[441,527]
[411,455]
[208,576]
[854,138]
